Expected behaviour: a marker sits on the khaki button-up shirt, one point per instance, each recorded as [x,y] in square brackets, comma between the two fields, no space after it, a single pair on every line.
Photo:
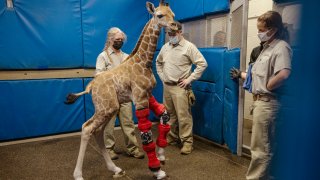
[104,63]
[175,62]
[274,57]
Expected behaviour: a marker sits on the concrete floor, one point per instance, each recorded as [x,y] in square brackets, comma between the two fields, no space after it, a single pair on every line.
[56,159]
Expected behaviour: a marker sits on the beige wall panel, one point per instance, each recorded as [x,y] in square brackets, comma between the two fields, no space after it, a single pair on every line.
[257,7]
[46,74]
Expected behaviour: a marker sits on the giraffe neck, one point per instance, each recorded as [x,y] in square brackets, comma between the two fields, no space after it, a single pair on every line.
[147,43]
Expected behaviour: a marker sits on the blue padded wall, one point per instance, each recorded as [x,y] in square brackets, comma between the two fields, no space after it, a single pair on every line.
[189,9]
[89,108]
[208,110]
[211,7]
[186,9]
[158,90]
[40,35]
[230,101]
[100,15]
[215,58]
[161,40]
[32,108]
[68,36]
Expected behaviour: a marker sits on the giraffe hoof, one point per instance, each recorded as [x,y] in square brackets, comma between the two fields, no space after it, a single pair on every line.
[120,174]
[160,175]
[162,178]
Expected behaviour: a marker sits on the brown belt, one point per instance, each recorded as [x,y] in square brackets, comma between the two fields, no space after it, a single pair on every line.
[171,83]
[263,97]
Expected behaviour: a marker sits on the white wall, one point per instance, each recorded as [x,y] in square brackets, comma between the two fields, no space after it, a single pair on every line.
[256,8]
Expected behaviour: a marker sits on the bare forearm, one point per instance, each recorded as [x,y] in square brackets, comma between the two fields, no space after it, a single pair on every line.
[243,75]
[278,79]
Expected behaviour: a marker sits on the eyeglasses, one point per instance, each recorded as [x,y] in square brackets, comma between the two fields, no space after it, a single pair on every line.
[171,33]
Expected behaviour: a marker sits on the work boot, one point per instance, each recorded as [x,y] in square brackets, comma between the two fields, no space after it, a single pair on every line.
[113,155]
[137,154]
[186,149]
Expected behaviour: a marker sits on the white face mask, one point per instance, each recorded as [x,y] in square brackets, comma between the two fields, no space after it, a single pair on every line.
[173,39]
[264,37]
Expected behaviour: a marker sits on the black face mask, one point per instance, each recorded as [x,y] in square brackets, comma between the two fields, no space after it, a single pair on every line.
[117,44]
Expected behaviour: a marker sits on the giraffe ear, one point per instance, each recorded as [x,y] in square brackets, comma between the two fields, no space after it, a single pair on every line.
[150,7]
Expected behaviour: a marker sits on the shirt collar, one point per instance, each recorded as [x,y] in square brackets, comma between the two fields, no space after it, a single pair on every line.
[111,51]
[272,44]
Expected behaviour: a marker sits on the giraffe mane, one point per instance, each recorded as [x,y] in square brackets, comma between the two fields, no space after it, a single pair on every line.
[139,41]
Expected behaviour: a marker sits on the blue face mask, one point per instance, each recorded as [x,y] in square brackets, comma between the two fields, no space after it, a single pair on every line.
[173,39]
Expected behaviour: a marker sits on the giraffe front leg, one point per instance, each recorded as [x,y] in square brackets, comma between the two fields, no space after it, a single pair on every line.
[163,130]
[163,127]
[144,125]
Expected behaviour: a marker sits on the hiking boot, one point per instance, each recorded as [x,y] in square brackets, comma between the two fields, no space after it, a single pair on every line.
[113,155]
[186,149]
[137,154]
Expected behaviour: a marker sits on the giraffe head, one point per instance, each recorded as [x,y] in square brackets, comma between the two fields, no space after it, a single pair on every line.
[162,15]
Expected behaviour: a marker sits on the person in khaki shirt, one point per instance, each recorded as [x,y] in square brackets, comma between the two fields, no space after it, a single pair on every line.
[111,57]
[269,72]
[174,64]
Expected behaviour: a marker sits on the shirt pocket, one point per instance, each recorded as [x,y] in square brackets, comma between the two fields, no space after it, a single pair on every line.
[262,66]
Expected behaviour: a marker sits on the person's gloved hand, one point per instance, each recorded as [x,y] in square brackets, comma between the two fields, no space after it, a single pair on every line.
[235,73]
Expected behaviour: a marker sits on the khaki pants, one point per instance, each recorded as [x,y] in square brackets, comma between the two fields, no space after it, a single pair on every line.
[176,101]
[128,129]
[264,115]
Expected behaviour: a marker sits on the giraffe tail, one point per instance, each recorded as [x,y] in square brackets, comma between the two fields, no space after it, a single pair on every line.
[71,98]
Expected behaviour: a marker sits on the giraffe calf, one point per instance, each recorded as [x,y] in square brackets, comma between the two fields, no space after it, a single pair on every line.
[133,80]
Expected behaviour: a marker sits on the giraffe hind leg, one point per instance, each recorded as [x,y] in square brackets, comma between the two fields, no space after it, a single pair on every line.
[118,172]
[85,137]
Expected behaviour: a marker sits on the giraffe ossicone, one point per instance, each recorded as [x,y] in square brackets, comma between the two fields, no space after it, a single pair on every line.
[133,80]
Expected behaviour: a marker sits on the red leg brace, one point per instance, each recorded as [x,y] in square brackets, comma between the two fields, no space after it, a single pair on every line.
[156,107]
[144,125]
[163,130]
